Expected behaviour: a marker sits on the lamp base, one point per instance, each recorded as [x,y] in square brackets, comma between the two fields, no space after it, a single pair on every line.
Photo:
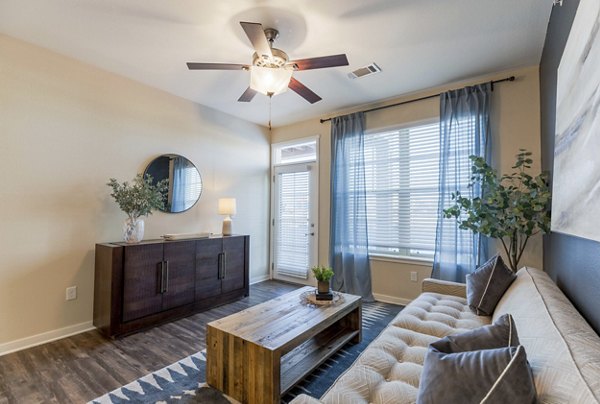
[227,227]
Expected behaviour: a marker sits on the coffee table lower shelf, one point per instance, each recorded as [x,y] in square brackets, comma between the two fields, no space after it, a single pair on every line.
[302,360]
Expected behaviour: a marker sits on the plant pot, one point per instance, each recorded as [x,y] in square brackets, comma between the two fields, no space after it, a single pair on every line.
[323,286]
[133,230]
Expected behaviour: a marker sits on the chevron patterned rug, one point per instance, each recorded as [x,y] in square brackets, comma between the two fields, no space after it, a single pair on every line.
[183,382]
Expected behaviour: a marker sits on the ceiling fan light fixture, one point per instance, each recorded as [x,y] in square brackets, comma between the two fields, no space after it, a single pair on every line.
[269,80]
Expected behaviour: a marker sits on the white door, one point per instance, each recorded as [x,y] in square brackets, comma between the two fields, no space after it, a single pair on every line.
[295,207]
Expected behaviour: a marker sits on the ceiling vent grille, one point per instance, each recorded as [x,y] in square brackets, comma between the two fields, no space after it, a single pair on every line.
[365,71]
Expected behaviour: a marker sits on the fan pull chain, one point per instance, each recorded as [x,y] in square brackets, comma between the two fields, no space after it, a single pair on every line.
[270,99]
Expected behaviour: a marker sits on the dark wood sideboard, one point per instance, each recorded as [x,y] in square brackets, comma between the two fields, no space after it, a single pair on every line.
[140,285]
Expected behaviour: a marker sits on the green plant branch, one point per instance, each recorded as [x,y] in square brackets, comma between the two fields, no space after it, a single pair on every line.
[513,250]
[523,248]
[505,248]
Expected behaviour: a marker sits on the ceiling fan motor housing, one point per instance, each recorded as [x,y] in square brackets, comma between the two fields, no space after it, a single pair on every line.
[279,59]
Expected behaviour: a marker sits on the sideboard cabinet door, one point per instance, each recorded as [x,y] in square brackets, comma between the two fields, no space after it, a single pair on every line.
[141,280]
[208,282]
[180,274]
[234,265]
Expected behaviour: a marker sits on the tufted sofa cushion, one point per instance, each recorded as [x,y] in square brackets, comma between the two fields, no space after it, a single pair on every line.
[388,371]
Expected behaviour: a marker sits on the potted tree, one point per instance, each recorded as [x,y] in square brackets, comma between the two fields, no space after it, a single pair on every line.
[512,209]
[138,199]
[323,276]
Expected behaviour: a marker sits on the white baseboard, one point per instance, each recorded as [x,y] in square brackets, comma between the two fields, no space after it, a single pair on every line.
[391,299]
[260,278]
[49,336]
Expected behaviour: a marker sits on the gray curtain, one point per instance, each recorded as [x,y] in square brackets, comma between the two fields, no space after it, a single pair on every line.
[464,131]
[349,255]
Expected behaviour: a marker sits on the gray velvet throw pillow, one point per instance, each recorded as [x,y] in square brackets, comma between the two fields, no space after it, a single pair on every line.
[502,333]
[486,286]
[491,376]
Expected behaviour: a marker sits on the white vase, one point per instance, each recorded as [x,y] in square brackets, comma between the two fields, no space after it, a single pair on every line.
[133,230]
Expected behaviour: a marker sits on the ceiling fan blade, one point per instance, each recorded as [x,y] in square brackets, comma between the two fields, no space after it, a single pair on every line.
[216,66]
[303,91]
[320,62]
[256,35]
[248,95]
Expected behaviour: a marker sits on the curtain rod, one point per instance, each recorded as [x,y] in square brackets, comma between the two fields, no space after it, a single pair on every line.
[511,78]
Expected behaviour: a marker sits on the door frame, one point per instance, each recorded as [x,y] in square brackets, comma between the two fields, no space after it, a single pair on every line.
[314,209]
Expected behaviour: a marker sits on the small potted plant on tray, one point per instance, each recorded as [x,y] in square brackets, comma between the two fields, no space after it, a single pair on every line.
[138,199]
[323,275]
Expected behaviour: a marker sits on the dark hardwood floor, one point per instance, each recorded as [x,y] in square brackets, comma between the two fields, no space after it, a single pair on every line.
[82,367]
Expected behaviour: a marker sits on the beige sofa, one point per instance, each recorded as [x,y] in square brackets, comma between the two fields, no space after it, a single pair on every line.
[562,349]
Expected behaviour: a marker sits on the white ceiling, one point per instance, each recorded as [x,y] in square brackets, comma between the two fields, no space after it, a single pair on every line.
[417,43]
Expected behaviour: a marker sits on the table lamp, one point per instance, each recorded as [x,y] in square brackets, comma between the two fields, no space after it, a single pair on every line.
[227,207]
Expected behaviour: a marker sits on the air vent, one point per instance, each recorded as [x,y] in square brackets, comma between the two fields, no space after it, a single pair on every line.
[365,71]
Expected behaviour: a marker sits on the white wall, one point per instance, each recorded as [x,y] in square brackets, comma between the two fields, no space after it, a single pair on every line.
[65,128]
[515,124]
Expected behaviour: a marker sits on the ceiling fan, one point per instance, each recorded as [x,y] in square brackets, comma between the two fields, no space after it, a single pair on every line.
[271,70]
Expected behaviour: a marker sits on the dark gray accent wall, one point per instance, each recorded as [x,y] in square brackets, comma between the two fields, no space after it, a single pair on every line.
[572,262]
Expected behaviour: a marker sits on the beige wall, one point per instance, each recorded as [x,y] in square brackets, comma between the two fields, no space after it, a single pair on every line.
[65,128]
[515,124]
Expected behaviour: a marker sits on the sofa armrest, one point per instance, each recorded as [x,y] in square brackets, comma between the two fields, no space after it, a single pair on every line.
[444,287]
[304,399]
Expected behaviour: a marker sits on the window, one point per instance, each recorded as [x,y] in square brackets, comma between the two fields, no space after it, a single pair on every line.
[290,153]
[401,170]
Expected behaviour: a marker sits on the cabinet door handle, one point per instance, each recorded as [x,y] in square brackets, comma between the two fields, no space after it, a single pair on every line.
[224,264]
[162,277]
[220,266]
[166,276]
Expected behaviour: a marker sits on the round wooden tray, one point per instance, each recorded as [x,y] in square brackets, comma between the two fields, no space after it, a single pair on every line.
[310,298]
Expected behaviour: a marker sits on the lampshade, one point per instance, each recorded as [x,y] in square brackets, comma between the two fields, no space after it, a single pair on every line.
[269,80]
[227,206]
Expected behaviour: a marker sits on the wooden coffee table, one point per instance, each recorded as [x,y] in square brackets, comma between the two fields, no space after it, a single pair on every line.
[258,354]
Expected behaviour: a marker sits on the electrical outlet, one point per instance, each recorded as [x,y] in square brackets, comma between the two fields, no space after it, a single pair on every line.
[71,293]
[413,276]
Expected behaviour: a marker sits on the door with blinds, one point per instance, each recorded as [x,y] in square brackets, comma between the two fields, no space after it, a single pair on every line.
[294,221]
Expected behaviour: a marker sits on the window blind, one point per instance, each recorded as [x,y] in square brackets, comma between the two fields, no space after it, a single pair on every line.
[402,180]
[401,169]
[193,186]
[292,225]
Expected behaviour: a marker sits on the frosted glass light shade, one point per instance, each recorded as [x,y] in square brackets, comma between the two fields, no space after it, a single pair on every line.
[227,206]
[269,80]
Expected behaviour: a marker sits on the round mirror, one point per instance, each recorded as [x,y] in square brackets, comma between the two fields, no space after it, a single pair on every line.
[185,183]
